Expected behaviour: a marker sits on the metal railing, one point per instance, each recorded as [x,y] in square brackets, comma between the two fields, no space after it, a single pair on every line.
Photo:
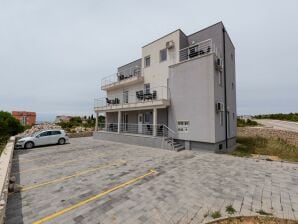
[140,96]
[133,128]
[197,50]
[168,136]
[121,76]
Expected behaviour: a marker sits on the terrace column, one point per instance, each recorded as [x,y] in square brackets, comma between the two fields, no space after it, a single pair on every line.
[96,121]
[119,121]
[154,121]
[106,121]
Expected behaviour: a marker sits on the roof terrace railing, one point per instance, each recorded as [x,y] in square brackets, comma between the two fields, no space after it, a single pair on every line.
[121,76]
[197,50]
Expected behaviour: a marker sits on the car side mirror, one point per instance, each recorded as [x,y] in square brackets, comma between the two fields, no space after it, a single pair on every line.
[37,136]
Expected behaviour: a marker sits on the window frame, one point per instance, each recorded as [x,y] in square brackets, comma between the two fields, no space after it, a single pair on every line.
[145,61]
[160,55]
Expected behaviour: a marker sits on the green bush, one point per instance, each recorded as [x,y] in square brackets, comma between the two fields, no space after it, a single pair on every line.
[279,116]
[9,126]
[245,123]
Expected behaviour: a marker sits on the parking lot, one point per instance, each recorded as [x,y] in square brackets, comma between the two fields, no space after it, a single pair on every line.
[93,181]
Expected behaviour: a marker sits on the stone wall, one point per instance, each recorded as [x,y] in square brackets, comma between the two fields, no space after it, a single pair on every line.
[288,136]
[80,134]
[5,167]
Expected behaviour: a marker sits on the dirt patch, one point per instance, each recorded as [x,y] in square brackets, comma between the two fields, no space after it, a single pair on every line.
[287,136]
[254,220]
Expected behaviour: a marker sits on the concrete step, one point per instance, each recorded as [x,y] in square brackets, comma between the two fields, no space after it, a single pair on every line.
[179,148]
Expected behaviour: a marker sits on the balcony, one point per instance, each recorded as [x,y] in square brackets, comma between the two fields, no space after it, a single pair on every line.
[123,78]
[197,50]
[142,99]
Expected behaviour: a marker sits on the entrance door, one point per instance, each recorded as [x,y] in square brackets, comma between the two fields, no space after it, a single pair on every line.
[140,123]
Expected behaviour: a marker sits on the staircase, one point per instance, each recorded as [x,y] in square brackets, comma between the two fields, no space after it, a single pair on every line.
[168,140]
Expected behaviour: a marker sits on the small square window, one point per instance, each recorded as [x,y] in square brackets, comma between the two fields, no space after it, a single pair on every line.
[163,55]
[147,61]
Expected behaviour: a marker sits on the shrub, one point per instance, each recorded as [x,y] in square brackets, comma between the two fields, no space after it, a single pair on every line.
[230,210]
[215,214]
[244,123]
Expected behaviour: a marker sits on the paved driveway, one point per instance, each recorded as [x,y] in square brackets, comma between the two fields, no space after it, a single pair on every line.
[280,125]
[93,181]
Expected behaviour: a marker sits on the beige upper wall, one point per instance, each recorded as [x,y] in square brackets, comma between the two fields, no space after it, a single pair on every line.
[158,73]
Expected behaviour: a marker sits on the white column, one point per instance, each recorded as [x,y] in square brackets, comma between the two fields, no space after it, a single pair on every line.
[106,121]
[119,121]
[154,121]
[96,121]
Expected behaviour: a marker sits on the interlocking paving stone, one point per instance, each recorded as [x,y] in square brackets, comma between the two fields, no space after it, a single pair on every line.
[187,185]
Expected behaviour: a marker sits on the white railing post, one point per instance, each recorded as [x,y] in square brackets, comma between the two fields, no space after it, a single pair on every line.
[96,122]
[154,121]
[119,121]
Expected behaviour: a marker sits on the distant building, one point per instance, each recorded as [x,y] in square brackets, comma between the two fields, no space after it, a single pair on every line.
[25,117]
[62,118]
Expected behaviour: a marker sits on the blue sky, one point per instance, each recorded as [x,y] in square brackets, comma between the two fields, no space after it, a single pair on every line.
[55,52]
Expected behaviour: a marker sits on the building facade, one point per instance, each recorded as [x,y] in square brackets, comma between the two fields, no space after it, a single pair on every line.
[25,117]
[181,94]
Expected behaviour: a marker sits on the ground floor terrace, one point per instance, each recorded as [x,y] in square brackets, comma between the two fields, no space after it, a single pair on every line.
[149,122]
[94,181]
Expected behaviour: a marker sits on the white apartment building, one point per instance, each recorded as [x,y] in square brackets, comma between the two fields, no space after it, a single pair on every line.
[181,94]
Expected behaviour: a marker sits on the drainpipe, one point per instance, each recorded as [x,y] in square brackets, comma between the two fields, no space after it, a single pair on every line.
[225,85]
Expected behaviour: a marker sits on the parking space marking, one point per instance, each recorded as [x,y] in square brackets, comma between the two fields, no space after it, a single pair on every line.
[57,164]
[65,210]
[30,187]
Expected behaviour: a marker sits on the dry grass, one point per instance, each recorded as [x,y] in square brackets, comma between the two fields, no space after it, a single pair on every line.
[248,146]
[254,220]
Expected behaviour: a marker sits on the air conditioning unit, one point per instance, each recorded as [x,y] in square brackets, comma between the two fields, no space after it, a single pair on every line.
[219,106]
[219,64]
[170,44]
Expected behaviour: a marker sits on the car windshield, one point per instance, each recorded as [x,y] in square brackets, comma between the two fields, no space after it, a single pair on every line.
[35,134]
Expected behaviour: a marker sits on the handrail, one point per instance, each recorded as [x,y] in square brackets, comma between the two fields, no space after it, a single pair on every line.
[197,50]
[111,100]
[121,75]
[166,135]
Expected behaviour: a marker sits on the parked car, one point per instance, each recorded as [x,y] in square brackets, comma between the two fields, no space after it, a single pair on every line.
[46,137]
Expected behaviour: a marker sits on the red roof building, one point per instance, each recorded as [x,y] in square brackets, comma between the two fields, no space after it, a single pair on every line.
[25,117]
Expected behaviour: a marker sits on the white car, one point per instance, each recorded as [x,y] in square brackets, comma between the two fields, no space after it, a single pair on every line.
[45,137]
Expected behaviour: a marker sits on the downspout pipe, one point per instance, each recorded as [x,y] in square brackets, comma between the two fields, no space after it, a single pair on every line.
[225,85]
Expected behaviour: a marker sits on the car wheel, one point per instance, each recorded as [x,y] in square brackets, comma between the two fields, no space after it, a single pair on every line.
[29,145]
[61,141]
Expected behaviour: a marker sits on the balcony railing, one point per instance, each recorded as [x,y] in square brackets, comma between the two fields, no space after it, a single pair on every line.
[121,76]
[197,50]
[133,98]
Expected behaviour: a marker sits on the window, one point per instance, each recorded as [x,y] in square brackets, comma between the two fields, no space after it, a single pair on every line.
[182,126]
[125,97]
[147,116]
[232,85]
[147,61]
[46,133]
[220,81]
[221,118]
[56,132]
[232,57]
[163,55]
[147,88]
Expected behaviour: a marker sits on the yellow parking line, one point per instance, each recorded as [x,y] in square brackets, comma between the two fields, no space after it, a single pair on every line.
[61,212]
[56,164]
[30,187]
